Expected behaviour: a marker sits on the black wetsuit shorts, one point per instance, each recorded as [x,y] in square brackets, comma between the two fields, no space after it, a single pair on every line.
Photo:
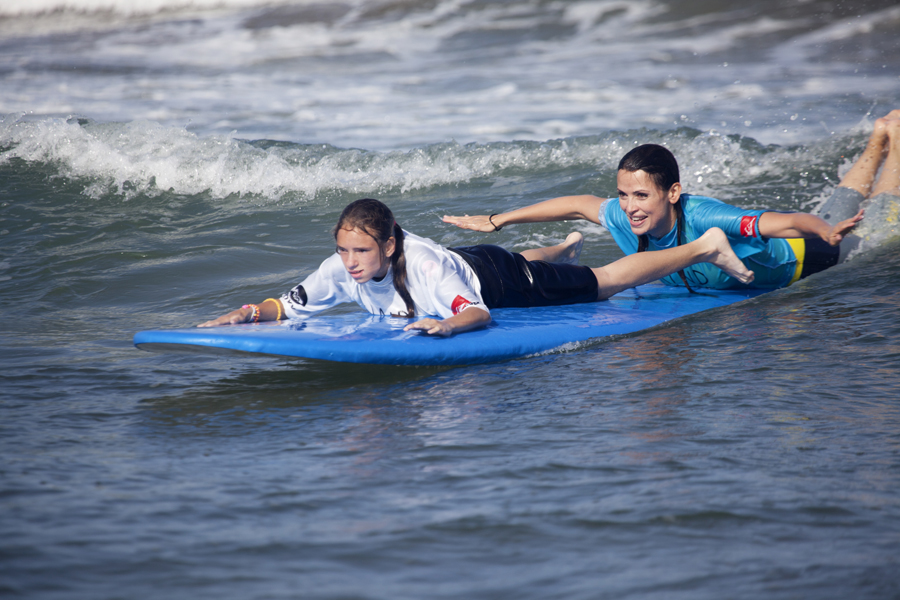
[510,280]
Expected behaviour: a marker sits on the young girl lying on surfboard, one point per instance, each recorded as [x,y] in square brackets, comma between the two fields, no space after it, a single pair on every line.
[387,270]
[652,213]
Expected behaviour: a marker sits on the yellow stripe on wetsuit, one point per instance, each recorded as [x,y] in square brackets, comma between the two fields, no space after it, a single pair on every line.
[798,245]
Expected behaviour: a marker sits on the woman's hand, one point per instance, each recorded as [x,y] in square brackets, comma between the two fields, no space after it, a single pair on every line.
[480,223]
[840,230]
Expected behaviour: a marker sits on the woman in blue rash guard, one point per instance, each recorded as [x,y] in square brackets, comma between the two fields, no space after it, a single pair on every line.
[652,213]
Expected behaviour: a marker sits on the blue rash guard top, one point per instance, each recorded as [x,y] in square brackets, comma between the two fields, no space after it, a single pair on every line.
[771,260]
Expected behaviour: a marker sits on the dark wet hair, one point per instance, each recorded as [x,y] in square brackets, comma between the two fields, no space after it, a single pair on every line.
[376,219]
[654,160]
[662,168]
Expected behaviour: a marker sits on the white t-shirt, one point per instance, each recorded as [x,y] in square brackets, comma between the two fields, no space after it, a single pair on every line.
[440,282]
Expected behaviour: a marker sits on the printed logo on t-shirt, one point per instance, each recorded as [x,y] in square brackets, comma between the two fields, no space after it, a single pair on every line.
[748,226]
[460,304]
[298,296]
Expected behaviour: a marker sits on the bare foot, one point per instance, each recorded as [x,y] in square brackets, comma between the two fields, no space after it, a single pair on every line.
[885,125]
[722,256]
[880,130]
[892,128]
[572,248]
[889,178]
[567,252]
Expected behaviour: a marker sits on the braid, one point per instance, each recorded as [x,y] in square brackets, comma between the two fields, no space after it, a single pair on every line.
[679,224]
[377,220]
[643,242]
[398,263]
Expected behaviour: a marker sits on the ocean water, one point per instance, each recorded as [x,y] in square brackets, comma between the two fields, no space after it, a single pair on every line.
[162,162]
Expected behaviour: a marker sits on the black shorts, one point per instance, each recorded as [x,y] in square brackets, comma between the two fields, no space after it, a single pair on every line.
[813,255]
[510,280]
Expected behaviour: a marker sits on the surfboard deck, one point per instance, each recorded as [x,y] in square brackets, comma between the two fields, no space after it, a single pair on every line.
[514,332]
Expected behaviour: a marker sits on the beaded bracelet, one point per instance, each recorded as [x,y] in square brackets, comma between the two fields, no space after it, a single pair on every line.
[277,306]
[254,316]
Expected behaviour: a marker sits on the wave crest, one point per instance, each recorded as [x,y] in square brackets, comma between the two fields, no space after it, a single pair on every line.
[146,158]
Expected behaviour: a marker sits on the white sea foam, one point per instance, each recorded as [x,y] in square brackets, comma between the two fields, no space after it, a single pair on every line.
[144,157]
[810,45]
[147,158]
[384,75]
[122,7]
[171,98]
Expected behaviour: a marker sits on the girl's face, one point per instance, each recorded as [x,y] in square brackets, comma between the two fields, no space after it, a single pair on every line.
[650,209]
[362,256]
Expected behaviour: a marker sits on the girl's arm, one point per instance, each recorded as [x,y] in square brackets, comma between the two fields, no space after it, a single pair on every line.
[804,225]
[564,208]
[269,310]
[468,319]
[320,290]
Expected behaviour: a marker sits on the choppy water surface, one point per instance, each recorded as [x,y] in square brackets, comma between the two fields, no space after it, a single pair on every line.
[160,165]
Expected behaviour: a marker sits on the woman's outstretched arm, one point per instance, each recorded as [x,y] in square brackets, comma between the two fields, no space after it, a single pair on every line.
[804,225]
[564,208]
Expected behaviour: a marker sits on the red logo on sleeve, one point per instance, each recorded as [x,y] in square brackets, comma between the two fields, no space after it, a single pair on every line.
[748,226]
[459,305]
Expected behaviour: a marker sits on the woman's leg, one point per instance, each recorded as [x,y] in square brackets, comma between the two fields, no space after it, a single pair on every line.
[567,252]
[862,173]
[856,185]
[889,180]
[637,269]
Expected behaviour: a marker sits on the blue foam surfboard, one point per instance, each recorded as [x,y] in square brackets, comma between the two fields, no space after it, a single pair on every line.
[514,332]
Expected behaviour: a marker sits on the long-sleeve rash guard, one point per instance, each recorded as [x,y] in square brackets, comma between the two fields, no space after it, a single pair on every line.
[439,281]
[772,260]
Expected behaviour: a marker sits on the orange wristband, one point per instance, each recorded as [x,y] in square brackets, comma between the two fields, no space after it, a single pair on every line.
[254,316]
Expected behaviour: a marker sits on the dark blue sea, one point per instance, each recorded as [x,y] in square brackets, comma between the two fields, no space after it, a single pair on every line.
[164,161]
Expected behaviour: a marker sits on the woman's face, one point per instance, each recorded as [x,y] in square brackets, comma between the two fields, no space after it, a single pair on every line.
[650,209]
[363,258]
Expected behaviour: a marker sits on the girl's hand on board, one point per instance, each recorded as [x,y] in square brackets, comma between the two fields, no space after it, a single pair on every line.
[431,327]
